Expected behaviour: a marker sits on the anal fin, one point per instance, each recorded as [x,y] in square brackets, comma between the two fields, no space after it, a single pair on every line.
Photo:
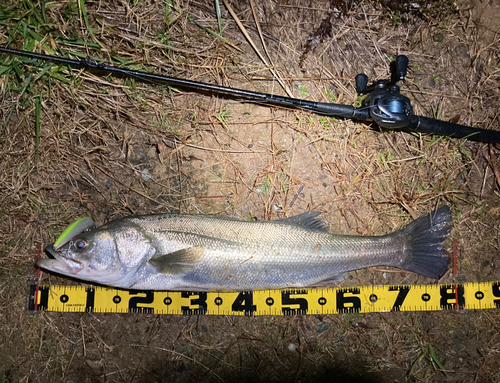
[178,262]
[331,279]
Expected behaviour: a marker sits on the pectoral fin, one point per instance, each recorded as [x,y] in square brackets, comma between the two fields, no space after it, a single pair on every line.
[178,262]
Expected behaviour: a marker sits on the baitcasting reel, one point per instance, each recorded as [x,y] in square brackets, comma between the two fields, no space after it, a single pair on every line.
[388,108]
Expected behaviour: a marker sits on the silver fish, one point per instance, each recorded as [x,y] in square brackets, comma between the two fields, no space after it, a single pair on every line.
[211,253]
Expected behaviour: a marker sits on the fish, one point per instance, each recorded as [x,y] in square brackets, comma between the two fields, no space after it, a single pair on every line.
[213,253]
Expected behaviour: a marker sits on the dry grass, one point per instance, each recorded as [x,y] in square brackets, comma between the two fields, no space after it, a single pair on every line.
[108,147]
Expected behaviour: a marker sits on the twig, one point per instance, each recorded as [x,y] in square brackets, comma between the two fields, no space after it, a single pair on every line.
[296,195]
[493,163]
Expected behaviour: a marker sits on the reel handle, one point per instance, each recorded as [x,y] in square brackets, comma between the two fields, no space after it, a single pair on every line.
[401,67]
[361,83]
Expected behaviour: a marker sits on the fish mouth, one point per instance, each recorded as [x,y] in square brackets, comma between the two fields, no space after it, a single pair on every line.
[58,264]
[53,265]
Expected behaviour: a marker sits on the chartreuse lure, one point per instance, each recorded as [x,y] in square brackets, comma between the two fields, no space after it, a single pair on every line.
[73,230]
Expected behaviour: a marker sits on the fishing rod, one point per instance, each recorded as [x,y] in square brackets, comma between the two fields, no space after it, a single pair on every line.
[383,104]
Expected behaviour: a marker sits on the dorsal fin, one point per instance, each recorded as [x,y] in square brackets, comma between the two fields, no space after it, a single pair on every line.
[307,220]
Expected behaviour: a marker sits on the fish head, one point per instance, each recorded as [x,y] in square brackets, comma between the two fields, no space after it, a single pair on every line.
[110,254]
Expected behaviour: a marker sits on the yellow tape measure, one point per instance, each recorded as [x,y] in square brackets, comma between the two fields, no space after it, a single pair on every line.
[363,299]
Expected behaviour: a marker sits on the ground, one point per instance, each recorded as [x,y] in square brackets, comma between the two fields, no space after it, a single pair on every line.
[75,144]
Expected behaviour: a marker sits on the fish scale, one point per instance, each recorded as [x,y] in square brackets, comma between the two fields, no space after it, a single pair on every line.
[211,253]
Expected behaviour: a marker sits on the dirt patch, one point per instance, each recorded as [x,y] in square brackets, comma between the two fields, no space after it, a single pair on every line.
[107,147]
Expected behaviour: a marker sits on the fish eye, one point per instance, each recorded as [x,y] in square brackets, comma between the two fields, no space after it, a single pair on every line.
[80,244]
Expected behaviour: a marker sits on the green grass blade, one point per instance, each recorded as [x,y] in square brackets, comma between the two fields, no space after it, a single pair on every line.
[7,119]
[83,13]
[125,62]
[35,35]
[85,56]
[44,15]
[14,32]
[435,359]
[25,29]
[219,20]
[168,12]
[79,43]
[5,68]
[60,78]
[18,71]
[26,84]
[415,363]
[43,71]
[208,30]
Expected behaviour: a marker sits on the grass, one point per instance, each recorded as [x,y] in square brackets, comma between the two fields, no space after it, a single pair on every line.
[74,144]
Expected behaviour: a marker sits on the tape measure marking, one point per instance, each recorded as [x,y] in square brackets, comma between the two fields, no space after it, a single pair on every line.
[362,299]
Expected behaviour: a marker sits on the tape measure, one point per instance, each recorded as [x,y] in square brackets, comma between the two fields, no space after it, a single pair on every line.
[363,299]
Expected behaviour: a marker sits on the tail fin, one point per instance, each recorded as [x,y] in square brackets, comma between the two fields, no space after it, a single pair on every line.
[425,236]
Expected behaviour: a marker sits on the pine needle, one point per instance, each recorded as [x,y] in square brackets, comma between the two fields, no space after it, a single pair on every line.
[247,36]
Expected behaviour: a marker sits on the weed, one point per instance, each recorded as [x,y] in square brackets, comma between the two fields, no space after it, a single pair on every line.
[396,18]
[302,89]
[223,116]
[359,101]
[329,93]
[437,111]
[266,186]
[326,123]
[161,122]
[385,157]
[163,37]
